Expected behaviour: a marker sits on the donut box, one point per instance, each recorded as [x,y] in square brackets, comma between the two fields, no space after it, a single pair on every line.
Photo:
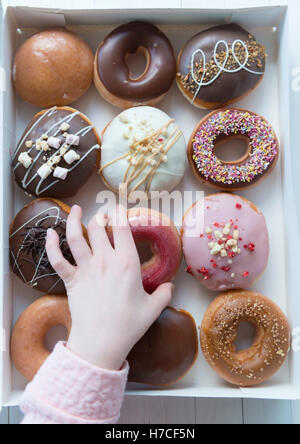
[275,196]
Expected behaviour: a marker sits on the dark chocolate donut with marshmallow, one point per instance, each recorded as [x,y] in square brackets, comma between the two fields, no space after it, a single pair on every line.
[56,154]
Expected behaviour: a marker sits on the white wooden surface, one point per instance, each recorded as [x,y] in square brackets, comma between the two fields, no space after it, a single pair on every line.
[143,410]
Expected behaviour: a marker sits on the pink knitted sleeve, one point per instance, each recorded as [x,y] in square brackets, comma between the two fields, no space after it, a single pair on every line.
[68,390]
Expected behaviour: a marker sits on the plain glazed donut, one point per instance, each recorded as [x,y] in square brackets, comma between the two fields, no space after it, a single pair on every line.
[223,126]
[167,351]
[157,231]
[57,153]
[53,67]
[111,73]
[225,242]
[220,66]
[219,329]
[27,242]
[144,149]
[28,350]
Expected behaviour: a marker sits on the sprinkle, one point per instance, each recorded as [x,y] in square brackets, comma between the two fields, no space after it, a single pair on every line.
[189,270]
[246,274]
[238,206]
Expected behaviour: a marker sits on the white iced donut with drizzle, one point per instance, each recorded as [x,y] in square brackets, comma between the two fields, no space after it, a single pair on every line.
[143,150]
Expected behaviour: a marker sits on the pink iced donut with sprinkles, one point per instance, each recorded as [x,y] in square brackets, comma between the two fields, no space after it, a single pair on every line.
[225,242]
[223,126]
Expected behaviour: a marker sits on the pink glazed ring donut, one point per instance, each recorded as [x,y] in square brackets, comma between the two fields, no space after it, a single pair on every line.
[225,242]
[157,233]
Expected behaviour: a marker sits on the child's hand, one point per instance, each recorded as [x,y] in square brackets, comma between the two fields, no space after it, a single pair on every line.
[110,309]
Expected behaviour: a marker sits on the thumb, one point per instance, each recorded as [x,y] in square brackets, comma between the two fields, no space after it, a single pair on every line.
[161,298]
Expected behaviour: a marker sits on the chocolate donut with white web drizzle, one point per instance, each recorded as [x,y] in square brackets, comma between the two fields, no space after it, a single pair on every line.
[27,242]
[57,153]
[219,66]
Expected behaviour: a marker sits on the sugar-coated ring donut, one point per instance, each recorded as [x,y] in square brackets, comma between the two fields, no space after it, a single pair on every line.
[158,232]
[221,126]
[219,330]
[111,73]
[53,67]
[167,351]
[225,242]
[28,350]
[57,153]
[27,241]
[220,65]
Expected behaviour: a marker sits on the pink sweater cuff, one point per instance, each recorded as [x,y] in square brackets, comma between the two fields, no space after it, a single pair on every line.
[69,390]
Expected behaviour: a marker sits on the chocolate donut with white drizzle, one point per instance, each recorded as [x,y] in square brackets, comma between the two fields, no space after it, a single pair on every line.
[220,65]
[27,243]
[57,153]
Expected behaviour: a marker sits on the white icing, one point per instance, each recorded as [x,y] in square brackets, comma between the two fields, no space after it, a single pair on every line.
[241,66]
[138,123]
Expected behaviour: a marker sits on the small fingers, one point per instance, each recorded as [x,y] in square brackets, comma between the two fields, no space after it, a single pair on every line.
[97,234]
[123,238]
[62,267]
[77,243]
[160,299]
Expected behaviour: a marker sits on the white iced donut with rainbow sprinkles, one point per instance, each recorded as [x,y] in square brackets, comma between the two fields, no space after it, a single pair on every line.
[223,126]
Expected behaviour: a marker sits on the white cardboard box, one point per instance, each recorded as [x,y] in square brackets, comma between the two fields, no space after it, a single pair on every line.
[275,196]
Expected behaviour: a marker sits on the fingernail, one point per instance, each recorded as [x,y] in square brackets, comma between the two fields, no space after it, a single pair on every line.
[49,232]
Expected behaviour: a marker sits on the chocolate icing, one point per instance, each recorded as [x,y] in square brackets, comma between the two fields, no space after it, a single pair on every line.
[28,257]
[167,351]
[228,87]
[113,70]
[42,123]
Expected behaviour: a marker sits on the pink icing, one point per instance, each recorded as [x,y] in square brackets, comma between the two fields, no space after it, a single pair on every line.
[237,269]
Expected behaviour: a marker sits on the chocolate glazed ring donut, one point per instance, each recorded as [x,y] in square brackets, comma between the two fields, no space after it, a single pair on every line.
[111,73]
[28,350]
[251,367]
[167,351]
[225,125]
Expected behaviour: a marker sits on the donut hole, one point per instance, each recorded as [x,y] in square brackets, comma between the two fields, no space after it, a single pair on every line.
[245,337]
[137,63]
[232,149]
[55,335]
[145,251]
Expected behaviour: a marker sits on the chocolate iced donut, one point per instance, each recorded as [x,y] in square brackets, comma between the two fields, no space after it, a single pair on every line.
[111,73]
[53,67]
[251,367]
[219,66]
[56,154]
[27,242]
[28,351]
[226,125]
[167,351]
